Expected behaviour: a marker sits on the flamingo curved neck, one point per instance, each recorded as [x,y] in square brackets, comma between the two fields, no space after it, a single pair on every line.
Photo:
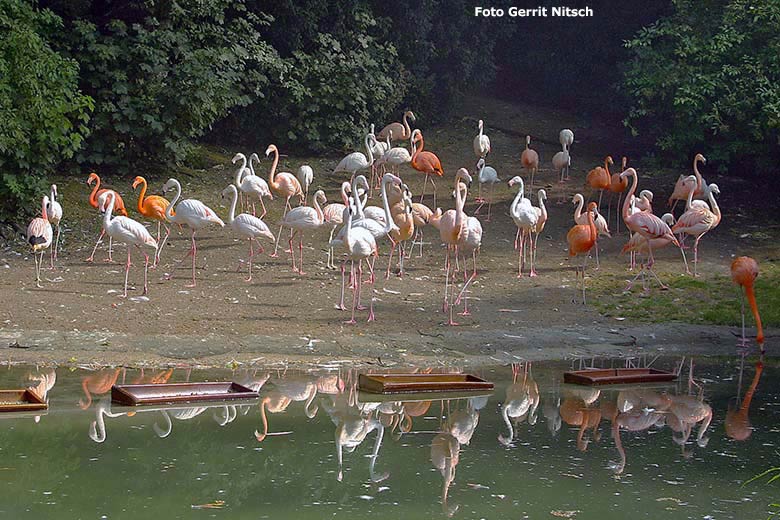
[407,128]
[142,196]
[240,169]
[606,167]
[518,198]
[52,195]
[318,209]
[233,199]
[714,204]
[578,209]
[273,170]
[169,210]
[631,191]
[699,180]
[44,215]
[386,205]
[93,196]
[109,210]
[369,153]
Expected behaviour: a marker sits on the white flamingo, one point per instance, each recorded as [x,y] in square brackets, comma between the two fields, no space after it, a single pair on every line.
[333,215]
[359,244]
[54,214]
[469,241]
[561,162]
[395,156]
[356,161]
[566,138]
[253,186]
[39,235]
[191,213]
[487,175]
[246,225]
[525,218]
[132,233]
[305,175]
[481,143]
[301,219]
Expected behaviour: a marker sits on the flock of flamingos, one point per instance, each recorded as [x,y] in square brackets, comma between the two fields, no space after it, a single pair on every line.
[399,219]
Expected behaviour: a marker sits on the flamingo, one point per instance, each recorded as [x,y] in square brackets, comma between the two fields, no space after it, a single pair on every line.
[301,219]
[250,183]
[359,244]
[581,239]
[737,424]
[525,218]
[602,227]
[561,162]
[617,185]
[469,242]
[54,215]
[425,162]
[397,131]
[192,213]
[698,221]
[39,235]
[131,232]
[333,215]
[98,383]
[246,225]
[644,223]
[153,207]
[356,161]
[566,138]
[599,178]
[284,184]
[541,212]
[681,189]
[522,401]
[403,218]
[423,215]
[481,143]
[530,160]
[396,156]
[487,175]
[451,226]
[645,201]
[305,176]
[744,271]
[378,148]
[119,207]
[639,244]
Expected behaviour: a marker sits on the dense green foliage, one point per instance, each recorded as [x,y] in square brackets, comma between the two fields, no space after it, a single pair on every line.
[42,112]
[707,78]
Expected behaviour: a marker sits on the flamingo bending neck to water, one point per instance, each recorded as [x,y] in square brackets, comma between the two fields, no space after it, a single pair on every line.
[744,271]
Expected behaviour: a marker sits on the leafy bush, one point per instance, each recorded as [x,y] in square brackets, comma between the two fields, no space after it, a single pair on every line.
[163,73]
[707,78]
[42,112]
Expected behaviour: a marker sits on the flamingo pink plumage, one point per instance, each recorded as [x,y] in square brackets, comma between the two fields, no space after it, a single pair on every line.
[95,199]
[451,226]
[39,235]
[285,184]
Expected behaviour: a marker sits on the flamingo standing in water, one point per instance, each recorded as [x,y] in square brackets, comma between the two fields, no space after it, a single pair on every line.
[301,219]
[644,223]
[246,225]
[398,131]
[153,207]
[192,213]
[530,160]
[54,215]
[39,235]
[425,162]
[599,178]
[119,208]
[481,143]
[451,226]
[285,185]
[581,239]
[131,232]
[525,218]
[744,271]
[698,221]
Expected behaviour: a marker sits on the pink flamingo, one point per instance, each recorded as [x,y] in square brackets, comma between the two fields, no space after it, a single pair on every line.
[698,221]
[131,232]
[398,131]
[469,242]
[301,219]
[451,226]
[54,215]
[681,187]
[96,199]
[192,213]
[39,235]
[530,160]
[638,244]
[246,225]
[646,224]
[423,215]
[285,184]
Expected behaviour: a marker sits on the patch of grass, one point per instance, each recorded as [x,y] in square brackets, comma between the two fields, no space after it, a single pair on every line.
[714,299]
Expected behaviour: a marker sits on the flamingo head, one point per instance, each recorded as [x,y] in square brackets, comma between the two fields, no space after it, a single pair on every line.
[230,190]
[480,164]
[700,158]
[593,207]
[254,157]
[92,178]
[541,195]
[169,185]
[463,174]
[515,180]
[668,218]
[54,190]
[271,148]
[713,188]
[416,135]
[626,173]
[609,160]
[411,115]
[646,194]
[480,124]
[319,196]
[389,178]
[238,157]
[138,180]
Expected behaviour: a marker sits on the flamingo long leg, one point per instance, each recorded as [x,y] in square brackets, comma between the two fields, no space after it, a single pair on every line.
[341,306]
[127,271]
[355,294]
[37,270]
[91,257]
[146,273]
[300,250]
[279,235]
[292,255]
[371,316]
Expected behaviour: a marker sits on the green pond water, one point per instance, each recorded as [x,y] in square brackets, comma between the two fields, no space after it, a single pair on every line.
[93,459]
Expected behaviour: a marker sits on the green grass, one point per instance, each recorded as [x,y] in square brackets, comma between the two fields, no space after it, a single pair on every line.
[712,299]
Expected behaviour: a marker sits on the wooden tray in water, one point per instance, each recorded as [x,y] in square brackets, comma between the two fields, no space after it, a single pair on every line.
[170,393]
[614,376]
[21,400]
[413,383]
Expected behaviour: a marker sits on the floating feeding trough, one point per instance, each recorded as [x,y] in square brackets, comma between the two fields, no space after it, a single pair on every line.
[617,376]
[172,393]
[417,383]
[21,400]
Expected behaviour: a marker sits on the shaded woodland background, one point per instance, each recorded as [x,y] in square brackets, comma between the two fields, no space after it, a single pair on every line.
[127,85]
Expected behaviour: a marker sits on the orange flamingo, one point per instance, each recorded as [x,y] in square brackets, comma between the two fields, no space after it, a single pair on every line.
[737,421]
[98,383]
[425,162]
[153,207]
[617,185]
[286,185]
[451,226]
[599,178]
[581,239]
[530,160]
[119,209]
[744,271]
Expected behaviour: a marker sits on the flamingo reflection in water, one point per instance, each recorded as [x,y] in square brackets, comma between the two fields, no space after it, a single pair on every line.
[285,392]
[738,425]
[635,411]
[522,400]
[577,409]
[41,383]
[98,384]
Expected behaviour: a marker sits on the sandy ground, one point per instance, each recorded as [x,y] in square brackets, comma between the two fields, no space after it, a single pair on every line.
[280,315]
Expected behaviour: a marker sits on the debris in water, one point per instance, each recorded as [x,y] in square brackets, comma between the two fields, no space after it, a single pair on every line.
[217,504]
[510,310]
[564,514]
[390,291]
[477,486]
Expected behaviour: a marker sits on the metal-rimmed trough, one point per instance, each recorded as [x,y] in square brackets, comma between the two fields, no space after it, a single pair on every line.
[21,400]
[616,376]
[418,383]
[172,393]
